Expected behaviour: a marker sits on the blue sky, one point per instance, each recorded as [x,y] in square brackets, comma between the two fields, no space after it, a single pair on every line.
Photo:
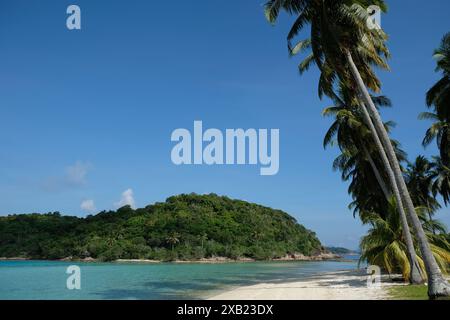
[87,115]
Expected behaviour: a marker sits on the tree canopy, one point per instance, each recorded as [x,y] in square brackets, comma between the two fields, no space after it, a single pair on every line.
[183,227]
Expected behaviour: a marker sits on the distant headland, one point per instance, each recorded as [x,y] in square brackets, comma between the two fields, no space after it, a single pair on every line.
[187,227]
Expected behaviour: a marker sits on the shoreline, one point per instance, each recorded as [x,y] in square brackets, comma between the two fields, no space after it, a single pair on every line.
[287,258]
[336,285]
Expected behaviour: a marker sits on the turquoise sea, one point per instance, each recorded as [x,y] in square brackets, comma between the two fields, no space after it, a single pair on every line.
[32,280]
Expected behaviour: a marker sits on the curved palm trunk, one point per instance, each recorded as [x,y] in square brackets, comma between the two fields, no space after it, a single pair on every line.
[415,276]
[437,285]
[430,216]
[380,180]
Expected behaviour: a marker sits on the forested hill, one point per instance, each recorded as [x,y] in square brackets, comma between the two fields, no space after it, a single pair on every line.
[185,227]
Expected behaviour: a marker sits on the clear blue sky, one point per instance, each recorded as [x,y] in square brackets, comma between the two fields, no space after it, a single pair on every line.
[86,115]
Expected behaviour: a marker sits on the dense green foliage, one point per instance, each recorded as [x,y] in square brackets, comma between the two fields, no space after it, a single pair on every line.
[184,227]
[384,244]
[339,250]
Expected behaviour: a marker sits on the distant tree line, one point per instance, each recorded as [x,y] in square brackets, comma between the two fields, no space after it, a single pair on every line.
[185,227]
[340,250]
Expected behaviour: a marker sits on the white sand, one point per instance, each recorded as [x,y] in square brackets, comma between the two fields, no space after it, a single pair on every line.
[342,285]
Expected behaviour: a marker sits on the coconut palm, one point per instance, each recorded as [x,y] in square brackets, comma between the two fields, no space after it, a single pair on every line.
[438,98]
[384,244]
[434,228]
[420,177]
[353,137]
[441,183]
[439,95]
[173,239]
[439,131]
[344,47]
[203,238]
[360,164]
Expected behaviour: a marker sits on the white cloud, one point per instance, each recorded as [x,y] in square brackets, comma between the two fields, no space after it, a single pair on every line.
[127,199]
[88,205]
[76,174]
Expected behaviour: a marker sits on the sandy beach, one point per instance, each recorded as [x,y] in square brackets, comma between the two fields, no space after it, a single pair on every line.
[341,285]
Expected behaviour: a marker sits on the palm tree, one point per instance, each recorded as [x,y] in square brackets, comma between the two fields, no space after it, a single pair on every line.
[439,95]
[361,166]
[420,178]
[173,239]
[345,48]
[437,285]
[433,228]
[438,98]
[439,131]
[203,237]
[441,183]
[384,244]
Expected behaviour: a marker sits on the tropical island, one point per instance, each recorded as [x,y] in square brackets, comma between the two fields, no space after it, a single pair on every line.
[397,196]
[186,227]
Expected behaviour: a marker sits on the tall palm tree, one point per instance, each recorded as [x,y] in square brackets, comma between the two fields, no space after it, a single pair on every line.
[345,48]
[360,164]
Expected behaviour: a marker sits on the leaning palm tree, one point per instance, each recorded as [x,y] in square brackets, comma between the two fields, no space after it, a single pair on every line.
[384,244]
[360,164]
[344,47]
[326,63]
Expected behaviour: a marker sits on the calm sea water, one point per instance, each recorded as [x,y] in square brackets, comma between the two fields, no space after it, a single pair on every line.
[47,279]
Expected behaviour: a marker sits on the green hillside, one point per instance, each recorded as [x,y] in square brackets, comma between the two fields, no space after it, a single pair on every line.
[185,227]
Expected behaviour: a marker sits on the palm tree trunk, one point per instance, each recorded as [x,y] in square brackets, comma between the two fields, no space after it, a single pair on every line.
[430,216]
[437,285]
[380,180]
[415,276]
